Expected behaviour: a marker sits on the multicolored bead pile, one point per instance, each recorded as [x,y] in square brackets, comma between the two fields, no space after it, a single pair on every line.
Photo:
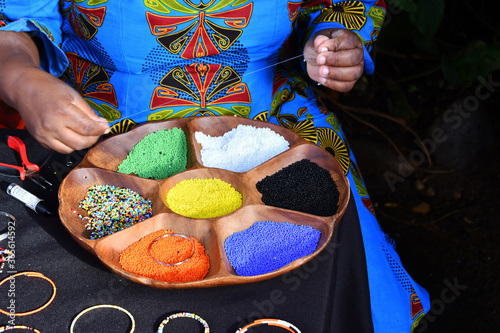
[111,209]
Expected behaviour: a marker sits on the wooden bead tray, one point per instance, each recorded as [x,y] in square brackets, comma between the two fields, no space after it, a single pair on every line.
[101,162]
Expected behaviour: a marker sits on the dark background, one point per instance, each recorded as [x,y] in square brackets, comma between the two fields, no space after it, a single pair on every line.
[432,59]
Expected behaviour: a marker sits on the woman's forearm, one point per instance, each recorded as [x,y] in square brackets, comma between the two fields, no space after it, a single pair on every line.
[18,53]
[54,113]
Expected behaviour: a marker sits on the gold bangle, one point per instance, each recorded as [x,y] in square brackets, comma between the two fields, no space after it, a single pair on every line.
[100,306]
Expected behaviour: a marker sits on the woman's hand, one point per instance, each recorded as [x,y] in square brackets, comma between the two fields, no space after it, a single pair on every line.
[54,113]
[335,58]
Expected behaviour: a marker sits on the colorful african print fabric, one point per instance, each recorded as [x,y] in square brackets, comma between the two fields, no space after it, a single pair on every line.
[155,60]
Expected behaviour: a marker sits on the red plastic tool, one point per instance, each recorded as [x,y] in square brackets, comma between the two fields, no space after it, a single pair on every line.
[27,169]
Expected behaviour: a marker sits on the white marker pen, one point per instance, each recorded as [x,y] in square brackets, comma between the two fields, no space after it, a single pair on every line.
[30,200]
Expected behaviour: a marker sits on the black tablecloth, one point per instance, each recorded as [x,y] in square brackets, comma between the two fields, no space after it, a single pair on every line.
[327,294]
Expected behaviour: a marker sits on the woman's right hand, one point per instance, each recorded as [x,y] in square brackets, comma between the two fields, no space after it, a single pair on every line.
[56,115]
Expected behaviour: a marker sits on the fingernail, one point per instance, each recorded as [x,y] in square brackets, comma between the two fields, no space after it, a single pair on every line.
[321,60]
[323,49]
[107,130]
[325,71]
[100,120]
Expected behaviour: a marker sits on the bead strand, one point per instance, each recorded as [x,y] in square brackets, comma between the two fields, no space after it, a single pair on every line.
[18,327]
[183,315]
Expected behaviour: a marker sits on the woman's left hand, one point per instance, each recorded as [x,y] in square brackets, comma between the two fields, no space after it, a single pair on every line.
[335,58]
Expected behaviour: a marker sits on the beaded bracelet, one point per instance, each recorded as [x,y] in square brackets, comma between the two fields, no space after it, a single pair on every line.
[271,322]
[169,235]
[183,315]
[3,259]
[5,234]
[18,327]
[100,306]
[30,274]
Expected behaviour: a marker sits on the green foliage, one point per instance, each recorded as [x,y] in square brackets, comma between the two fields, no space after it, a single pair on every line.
[406,5]
[475,59]
[425,15]
[456,31]
[397,102]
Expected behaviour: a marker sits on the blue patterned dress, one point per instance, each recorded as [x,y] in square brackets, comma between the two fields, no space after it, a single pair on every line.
[148,60]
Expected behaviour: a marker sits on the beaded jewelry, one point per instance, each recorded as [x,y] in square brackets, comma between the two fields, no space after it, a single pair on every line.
[183,315]
[169,235]
[18,327]
[30,274]
[3,258]
[271,322]
[100,306]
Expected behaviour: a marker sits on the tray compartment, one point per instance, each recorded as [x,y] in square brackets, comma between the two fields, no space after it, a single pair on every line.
[249,215]
[110,153]
[75,186]
[109,249]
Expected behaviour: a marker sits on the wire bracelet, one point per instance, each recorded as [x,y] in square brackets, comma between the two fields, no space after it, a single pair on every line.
[100,306]
[30,274]
[183,315]
[172,235]
[18,327]
[271,322]
[5,232]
